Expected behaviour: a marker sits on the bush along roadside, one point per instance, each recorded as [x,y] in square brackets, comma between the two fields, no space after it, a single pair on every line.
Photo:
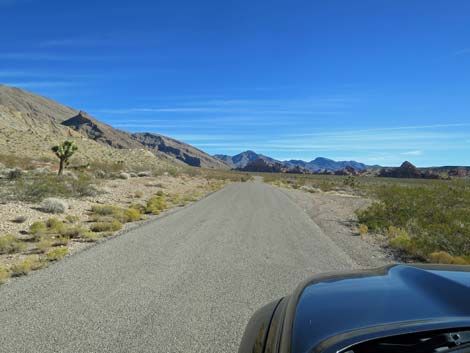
[430,223]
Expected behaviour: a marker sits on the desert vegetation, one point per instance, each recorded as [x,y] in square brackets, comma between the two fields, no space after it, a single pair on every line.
[418,219]
[46,215]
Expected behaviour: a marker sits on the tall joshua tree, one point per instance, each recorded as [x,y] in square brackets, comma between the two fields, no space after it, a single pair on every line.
[64,151]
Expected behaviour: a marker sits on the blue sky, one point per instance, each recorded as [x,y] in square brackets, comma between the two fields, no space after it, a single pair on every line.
[379,81]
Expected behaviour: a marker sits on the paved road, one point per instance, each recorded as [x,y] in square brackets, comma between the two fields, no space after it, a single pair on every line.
[187,282]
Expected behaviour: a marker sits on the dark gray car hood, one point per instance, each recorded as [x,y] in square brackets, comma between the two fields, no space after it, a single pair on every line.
[332,308]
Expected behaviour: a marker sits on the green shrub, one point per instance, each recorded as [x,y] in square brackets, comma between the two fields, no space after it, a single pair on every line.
[72,219]
[37,187]
[73,232]
[402,243]
[114,212]
[55,226]
[363,229]
[132,215]
[57,254]
[9,244]
[90,237]
[441,257]
[61,241]
[43,245]
[393,232]
[112,226]
[423,219]
[106,210]
[21,268]
[155,205]
[37,228]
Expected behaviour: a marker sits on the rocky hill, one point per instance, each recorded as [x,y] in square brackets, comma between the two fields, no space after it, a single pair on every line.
[179,150]
[241,160]
[407,170]
[263,166]
[325,164]
[36,123]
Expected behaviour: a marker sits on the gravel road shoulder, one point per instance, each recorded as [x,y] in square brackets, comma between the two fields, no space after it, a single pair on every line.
[334,213]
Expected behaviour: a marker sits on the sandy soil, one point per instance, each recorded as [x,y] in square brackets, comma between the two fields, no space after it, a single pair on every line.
[334,213]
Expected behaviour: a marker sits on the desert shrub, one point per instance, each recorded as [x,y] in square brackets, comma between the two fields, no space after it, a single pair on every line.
[106,210]
[4,275]
[155,205]
[172,171]
[61,241]
[111,226]
[363,229]
[9,244]
[138,206]
[55,226]
[72,232]
[21,268]
[57,254]
[20,219]
[72,219]
[43,245]
[402,243]
[37,228]
[111,212]
[124,176]
[52,205]
[132,215]
[90,237]
[441,257]
[38,187]
[350,181]
[423,219]
[393,232]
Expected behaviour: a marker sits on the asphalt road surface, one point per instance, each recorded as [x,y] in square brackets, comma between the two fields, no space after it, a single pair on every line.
[187,282]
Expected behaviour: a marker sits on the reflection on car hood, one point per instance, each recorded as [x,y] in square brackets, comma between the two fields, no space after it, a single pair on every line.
[331,306]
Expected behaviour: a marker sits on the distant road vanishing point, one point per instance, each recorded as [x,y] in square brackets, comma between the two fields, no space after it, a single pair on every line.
[186,282]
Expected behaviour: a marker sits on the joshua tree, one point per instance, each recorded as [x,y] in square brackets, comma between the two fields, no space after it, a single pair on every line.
[64,151]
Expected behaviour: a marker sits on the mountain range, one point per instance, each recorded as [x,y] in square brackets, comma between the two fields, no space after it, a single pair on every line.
[243,160]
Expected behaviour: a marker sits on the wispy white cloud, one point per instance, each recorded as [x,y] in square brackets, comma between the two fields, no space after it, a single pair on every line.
[71,42]
[40,84]
[412,153]
[383,129]
[319,106]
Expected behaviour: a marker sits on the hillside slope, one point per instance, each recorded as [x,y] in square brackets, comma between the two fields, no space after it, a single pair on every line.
[36,123]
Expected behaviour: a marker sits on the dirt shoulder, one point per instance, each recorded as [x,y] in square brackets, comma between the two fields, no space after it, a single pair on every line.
[334,213]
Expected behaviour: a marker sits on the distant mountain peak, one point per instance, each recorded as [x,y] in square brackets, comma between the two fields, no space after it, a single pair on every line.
[241,160]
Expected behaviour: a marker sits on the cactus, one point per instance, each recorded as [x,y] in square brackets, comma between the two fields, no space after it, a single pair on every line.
[64,151]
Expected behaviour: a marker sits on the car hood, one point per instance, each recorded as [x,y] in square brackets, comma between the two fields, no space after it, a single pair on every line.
[334,307]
